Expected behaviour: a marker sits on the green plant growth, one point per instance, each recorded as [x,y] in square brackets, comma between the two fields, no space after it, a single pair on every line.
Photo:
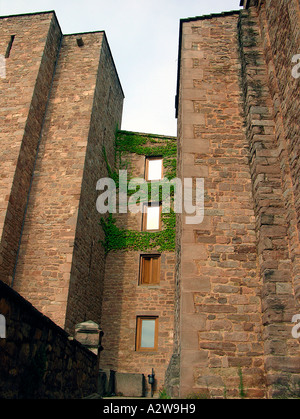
[199,396]
[242,391]
[163,394]
[121,239]
[148,145]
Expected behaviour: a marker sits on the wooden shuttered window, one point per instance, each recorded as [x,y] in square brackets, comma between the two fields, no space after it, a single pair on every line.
[150,270]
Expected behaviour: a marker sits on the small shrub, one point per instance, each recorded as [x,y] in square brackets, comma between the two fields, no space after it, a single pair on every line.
[163,394]
[199,396]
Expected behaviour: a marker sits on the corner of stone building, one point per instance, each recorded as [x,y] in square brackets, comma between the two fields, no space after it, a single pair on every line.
[273,181]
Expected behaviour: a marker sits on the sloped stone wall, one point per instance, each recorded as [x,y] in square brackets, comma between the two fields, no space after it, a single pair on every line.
[37,358]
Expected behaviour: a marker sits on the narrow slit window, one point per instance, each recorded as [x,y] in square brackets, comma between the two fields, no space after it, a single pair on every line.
[154,168]
[150,270]
[152,217]
[9,47]
[147,334]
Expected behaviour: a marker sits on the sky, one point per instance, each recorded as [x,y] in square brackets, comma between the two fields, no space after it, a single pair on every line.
[143,36]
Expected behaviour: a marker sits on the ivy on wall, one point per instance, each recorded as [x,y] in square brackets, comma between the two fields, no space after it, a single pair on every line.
[148,145]
[121,239]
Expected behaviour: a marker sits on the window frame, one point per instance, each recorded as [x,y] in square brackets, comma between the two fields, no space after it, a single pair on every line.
[147,168]
[142,265]
[139,323]
[145,215]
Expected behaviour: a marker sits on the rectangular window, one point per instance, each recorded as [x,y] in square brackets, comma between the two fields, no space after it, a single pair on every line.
[147,334]
[154,168]
[151,216]
[150,270]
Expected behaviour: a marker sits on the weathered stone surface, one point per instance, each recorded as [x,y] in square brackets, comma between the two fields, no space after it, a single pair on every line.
[60,262]
[130,385]
[248,257]
[236,275]
[40,360]
[125,298]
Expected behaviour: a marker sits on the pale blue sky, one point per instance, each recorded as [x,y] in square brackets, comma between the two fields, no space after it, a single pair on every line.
[143,36]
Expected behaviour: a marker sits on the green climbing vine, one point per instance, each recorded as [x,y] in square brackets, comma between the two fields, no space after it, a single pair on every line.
[121,239]
[148,145]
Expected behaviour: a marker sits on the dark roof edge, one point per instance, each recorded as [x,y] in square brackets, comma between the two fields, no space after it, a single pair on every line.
[191,19]
[83,33]
[245,3]
[211,16]
[28,14]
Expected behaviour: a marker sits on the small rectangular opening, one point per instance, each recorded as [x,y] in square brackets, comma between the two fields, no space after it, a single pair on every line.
[150,270]
[152,216]
[9,47]
[80,42]
[147,334]
[154,168]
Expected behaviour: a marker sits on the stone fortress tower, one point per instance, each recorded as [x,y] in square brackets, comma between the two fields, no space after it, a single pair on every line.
[218,298]
[238,127]
[61,101]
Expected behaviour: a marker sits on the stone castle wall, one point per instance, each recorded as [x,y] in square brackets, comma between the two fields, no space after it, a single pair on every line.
[23,97]
[124,299]
[51,240]
[228,293]
[239,270]
[274,158]
[37,358]
[220,307]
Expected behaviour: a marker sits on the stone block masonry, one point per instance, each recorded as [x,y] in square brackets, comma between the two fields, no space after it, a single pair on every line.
[60,263]
[220,321]
[125,299]
[238,272]
[23,98]
[220,313]
[275,187]
[37,358]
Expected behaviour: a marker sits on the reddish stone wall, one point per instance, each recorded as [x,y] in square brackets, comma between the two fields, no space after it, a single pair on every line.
[239,269]
[220,314]
[276,223]
[23,97]
[124,299]
[60,253]
[280,34]
[88,263]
